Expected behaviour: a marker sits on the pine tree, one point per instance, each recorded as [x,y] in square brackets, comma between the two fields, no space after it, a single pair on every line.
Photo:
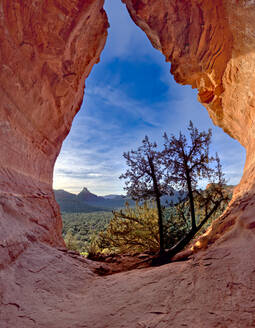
[132,230]
[187,162]
[145,178]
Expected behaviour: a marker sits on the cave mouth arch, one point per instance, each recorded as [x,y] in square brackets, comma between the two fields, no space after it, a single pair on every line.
[47,51]
[42,87]
[130,93]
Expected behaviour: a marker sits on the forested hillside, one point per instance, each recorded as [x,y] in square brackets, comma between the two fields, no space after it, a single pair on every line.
[80,228]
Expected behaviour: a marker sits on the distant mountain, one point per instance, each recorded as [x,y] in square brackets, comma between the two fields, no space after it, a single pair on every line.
[69,202]
[86,201]
[86,196]
[112,202]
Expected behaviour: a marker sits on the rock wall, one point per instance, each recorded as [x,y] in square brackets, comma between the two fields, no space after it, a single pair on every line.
[47,49]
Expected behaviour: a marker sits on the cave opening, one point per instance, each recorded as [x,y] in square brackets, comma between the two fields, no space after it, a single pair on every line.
[128,95]
[47,50]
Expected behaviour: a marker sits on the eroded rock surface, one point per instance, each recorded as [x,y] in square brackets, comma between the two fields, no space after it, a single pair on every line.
[49,289]
[211,47]
[47,49]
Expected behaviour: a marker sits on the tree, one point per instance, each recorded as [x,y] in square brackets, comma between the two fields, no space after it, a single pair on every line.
[131,230]
[181,165]
[71,241]
[187,162]
[145,178]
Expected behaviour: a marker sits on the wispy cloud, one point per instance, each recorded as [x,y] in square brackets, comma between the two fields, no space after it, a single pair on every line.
[92,155]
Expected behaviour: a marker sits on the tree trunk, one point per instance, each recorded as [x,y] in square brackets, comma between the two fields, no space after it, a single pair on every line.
[157,197]
[166,257]
[191,202]
[160,224]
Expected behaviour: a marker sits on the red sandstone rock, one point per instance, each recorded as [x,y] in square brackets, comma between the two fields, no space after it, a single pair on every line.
[49,289]
[47,49]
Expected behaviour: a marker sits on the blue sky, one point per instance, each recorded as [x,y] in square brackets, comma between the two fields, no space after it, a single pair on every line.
[128,95]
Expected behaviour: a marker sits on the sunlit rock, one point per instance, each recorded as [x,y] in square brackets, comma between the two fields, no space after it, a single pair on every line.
[47,49]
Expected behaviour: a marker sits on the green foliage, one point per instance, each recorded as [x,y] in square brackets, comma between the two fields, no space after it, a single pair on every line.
[182,163]
[214,193]
[83,226]
[145,178]
[135,230]
[71,241]
[175,225]
[188,161]
[131,230]
[93,248]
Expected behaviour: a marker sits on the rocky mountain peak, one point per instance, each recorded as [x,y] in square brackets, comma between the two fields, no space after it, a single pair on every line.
[86,195]
[85,190]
